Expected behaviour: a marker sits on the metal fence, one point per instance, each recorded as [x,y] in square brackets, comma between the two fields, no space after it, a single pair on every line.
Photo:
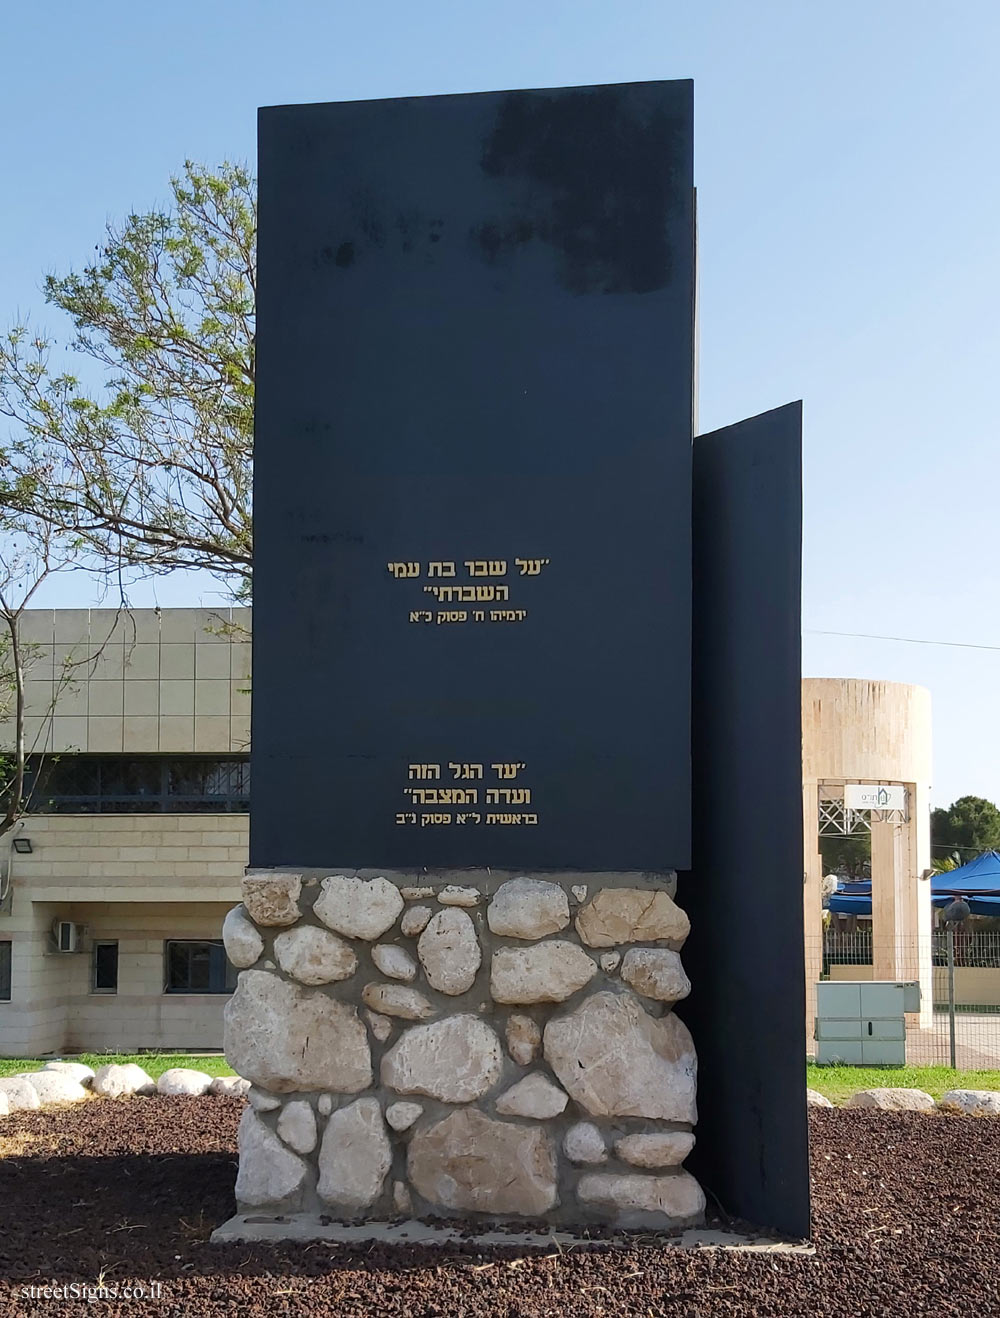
[960,1026]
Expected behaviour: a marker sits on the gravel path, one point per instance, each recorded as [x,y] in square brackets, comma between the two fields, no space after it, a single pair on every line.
[906,1212]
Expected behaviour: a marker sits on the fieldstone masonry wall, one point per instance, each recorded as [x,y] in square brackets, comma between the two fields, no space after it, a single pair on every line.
[481,1043]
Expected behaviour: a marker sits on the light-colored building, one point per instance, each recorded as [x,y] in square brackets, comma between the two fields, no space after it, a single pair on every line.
[863,734]
[136,841]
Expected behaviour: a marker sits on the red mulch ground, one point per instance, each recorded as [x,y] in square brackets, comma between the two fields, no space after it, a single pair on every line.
[906,1212]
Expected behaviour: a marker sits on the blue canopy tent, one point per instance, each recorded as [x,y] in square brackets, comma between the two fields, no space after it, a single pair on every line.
[978,882]
[851,903]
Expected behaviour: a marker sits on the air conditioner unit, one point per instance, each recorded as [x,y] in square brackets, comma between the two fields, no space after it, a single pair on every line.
[65,935]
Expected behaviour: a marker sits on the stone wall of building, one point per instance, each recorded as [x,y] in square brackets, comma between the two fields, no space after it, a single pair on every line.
[463,1044]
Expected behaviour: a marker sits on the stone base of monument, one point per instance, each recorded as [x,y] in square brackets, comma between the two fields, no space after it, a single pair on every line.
[480,1046]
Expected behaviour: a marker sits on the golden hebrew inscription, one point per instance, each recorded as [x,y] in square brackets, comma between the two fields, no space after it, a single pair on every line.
[474,591]
[465,771]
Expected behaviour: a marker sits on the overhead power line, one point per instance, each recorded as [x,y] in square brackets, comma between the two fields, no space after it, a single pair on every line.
[907,640]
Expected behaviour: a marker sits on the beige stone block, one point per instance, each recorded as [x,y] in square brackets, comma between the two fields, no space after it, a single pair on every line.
[142,661]
[176,697]
[38,696]
[105,698]
[355,1156]
[38,625]
[614,1059]
[211,733]
[94,827]
[171,853]
[140,732]
[235,837]
[108,661]
[112,625]
[75,657]
[284,1038]
[105,734]
[524,1037]
[239,699]
[675,1199]
[180,625]
[176,661]
[213,628]
[70,697]
[211,697]
[456,1060]
[268,1172]
[38,659]
[893,1100]
[240,732]
[449,952]
[177,733]
[141,697]
[655,972]
[220,869]
[62,869]
[138,836]
[211,660]
[69,733]
[141,626]
[240,660]
[631,915]
[657,1149]
[550,971]
[211,853]
[71,625]
[470,1162]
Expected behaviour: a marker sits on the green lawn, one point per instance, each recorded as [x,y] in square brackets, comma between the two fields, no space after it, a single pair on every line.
[838,1083]
[153,1063]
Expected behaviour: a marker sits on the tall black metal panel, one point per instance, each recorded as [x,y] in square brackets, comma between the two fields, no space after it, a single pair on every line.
[744,894]
[472,481]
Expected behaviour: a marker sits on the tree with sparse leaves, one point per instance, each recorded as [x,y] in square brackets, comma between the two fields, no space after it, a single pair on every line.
[143,456]
[970,826]
[29,557]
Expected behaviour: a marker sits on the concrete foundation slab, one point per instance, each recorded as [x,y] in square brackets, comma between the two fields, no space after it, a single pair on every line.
[262,1228]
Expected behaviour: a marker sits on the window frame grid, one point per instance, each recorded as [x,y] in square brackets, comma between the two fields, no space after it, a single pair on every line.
[229,971]
[234,800]
[103,942]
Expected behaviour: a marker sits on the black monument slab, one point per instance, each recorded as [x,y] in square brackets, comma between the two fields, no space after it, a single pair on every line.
[475,516]
[744,893]
[473,481]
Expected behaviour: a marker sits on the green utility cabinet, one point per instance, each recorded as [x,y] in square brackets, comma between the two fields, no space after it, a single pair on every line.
[863,1023]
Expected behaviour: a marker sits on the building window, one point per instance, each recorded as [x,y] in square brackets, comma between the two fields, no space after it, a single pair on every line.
[104,978]
[139,784]
[197,967]
[5,972]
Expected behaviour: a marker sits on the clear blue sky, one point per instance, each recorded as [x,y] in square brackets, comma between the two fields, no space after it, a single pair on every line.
[849,194]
